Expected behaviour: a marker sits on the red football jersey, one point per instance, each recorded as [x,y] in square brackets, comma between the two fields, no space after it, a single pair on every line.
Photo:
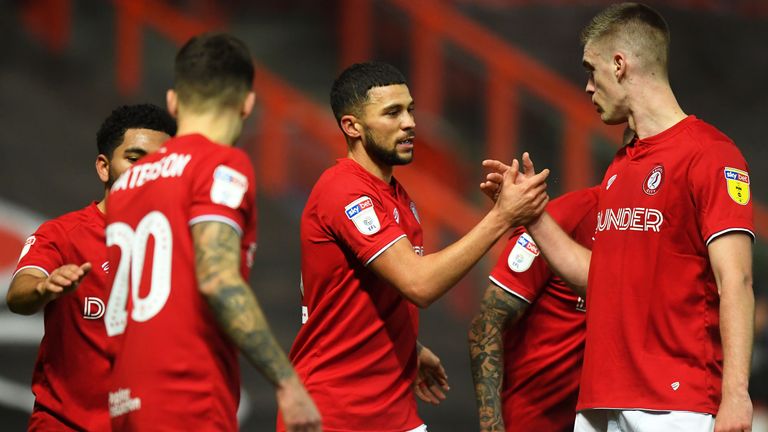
[72,368]
[356,351]
[653,339]
[544,349]
[174,369]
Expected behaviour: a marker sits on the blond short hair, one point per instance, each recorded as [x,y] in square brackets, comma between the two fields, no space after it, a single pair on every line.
[633,26]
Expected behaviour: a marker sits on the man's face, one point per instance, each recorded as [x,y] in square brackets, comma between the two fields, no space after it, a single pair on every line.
[603,86]
[137,143]
[389,125]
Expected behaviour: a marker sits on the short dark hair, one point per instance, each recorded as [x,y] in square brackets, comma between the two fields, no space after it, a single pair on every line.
[140,116]
[636,25]
[350,90]
[213,68]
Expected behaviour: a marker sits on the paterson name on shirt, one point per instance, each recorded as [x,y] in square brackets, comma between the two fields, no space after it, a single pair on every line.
[169,166]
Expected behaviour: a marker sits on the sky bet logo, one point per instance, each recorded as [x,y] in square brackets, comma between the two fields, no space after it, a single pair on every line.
[732,174]
[362,205]
[529,245]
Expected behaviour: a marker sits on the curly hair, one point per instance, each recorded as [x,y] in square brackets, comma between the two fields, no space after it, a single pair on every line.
[140,116]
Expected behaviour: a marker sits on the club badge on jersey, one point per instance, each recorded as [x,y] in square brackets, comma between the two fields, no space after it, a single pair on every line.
[522,254]
[653,181]
[738,185]
[360,211]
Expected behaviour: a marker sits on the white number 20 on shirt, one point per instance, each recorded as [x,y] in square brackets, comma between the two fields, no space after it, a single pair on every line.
[133,247]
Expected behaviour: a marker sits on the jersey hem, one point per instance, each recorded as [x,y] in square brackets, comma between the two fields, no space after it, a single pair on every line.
[217,218]
[385,247]
[726,231]
[31,266]
[508,289]
[580,408]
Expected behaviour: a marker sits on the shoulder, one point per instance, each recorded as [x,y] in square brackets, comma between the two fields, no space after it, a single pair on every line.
[705,137]
[343,180]
[72,220]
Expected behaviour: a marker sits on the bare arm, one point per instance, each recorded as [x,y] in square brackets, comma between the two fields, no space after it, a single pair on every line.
[31,289]
[217,256]
[565,256]
[427,278]
[731,259]
[498,309]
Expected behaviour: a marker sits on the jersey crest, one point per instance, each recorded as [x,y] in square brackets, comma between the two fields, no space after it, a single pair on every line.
[522,254]
[652,182]
[738,185]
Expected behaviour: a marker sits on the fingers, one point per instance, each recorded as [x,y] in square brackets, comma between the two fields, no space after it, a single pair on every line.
[86,268]
[64,278]
[495,165]
[511,174]
[429,393]
[528,169]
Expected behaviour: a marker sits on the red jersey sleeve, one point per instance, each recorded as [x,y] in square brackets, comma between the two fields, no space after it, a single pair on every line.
[520,270]
[224,191]
[42,250]
[720,187]
[356,216]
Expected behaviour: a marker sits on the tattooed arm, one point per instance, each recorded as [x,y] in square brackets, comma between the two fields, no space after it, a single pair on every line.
[486,349]
[217,259]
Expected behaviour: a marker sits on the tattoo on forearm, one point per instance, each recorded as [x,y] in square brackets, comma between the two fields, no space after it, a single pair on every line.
[486,352]
[217,250]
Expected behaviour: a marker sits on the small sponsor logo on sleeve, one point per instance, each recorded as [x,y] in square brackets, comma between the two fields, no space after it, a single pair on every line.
[737,182]
[27,245]
[229,186]
[522,254]
[362,214]
[610,181]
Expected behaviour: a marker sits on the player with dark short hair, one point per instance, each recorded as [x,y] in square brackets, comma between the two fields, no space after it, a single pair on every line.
[181,232]
[63,268]
[363,265]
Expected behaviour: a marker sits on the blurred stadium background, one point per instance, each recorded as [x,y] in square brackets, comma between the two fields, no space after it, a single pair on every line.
[491,78]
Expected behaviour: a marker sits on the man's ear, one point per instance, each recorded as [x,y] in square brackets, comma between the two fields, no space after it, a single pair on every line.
[350,126]
[619,65]
[102,168]
[172,102]
[248,103]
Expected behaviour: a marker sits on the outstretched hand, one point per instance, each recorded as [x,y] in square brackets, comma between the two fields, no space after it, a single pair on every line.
[63,280]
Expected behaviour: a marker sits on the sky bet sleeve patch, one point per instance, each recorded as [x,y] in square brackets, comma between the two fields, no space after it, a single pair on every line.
[360,211]
[522,255]
[738,185]
[229,186]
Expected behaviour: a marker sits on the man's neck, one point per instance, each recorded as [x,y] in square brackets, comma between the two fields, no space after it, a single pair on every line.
[102,205]
[220,127]
[359,155]
[655,110]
